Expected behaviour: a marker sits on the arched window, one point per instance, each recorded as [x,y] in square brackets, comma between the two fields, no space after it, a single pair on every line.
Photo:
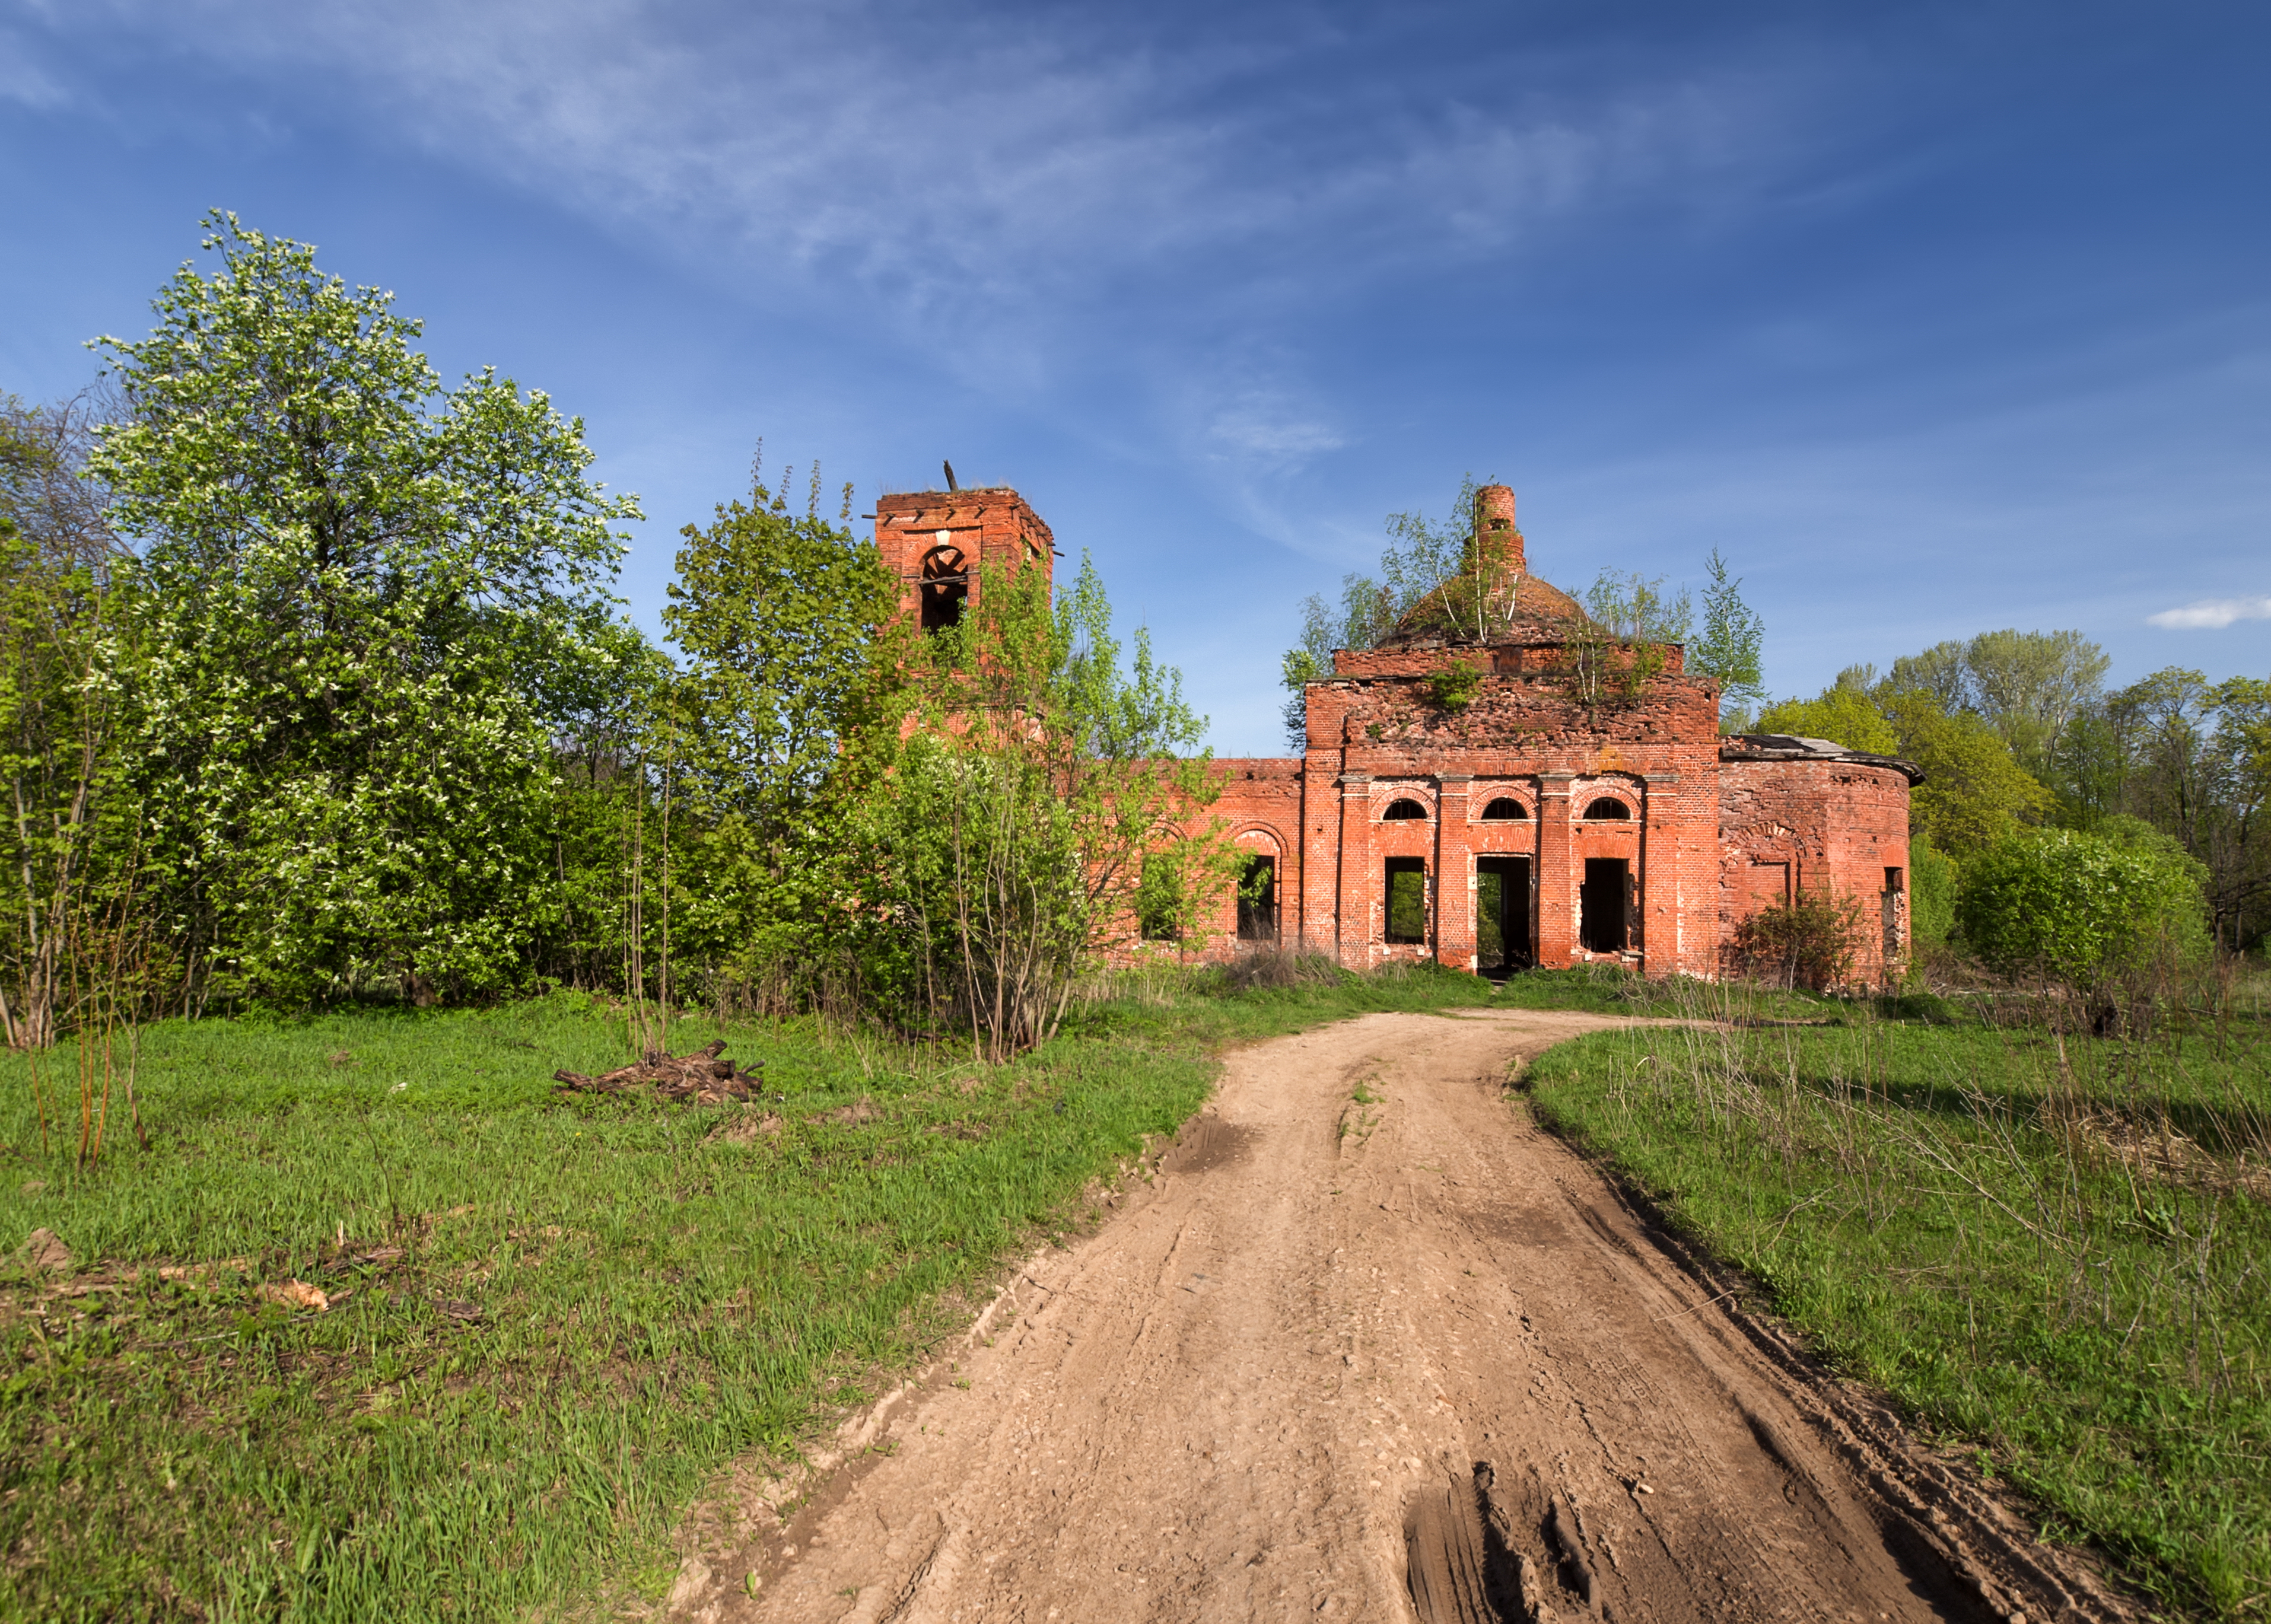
[1504,808]
[945,587]
[1608,807]
[1405,809]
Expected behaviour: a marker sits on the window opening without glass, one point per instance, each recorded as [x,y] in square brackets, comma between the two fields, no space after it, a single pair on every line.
[945,587]
[1503,809]
[1502,905]
[1608,808]
[1603,904]
[1257,900]
[1407,899]
[1403,810]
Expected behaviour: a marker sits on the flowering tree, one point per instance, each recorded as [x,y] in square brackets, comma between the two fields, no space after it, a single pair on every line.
[359,603]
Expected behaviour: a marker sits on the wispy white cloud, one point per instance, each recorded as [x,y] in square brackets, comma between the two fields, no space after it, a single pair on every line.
[1254,431]
[2211,613]
[959,162]
[22,79]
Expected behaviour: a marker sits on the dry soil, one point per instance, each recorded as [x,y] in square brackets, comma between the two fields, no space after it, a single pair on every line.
[1372,1347]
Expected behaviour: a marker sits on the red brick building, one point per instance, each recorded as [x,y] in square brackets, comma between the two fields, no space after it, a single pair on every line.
[1557,798]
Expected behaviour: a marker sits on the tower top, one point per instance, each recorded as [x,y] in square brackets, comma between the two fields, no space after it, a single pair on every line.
[936,541]
[1496,538]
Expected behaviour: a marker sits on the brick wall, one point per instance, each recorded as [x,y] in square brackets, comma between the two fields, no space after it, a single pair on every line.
[1788,826]
[1379,736]
[1704,841]
[966,529]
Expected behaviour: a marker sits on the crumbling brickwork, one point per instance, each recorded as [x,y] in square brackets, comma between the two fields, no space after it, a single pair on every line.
[1581,788]
[935,543]
[1793,821]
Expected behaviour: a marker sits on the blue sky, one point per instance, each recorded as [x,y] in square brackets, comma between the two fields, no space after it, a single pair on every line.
[1934,318]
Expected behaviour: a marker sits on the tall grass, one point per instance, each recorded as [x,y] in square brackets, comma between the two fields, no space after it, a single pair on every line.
[2048,1244]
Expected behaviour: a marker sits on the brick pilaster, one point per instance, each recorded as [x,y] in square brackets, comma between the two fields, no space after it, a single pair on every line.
[1557,891]
[1661,880]
[1455,874]
[1354,935]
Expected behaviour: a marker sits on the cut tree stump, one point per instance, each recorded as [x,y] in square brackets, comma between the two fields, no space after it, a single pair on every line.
[705,1078]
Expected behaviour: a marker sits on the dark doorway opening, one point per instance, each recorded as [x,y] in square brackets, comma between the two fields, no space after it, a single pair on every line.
[1257,900]
[1502,914]
[945,588]
[1407,899]
[1602,904]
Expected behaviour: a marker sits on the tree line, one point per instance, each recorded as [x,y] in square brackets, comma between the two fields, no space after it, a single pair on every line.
[317,688]
[2101,839]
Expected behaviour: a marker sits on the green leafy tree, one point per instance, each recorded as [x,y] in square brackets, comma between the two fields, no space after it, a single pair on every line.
[2087,770]
[2237,850]
[2167,726]
[1311,661]
[2192,758]
[777,617]
[60,641]
[1730,650]
[1619,646]
[2026,685]
[1974,792]
[1842,715]
[1011,836]
[2081,909]
[2029,685]
[1939,672]
[1635,609]
[607,707]
[1933,881]
[356,599]
[1467,590]
[1424,559]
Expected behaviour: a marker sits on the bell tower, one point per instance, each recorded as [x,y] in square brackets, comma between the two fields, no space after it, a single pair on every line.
[935,542]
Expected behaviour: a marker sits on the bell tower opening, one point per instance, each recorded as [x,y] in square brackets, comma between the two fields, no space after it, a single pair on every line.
[937,542]
[945,588]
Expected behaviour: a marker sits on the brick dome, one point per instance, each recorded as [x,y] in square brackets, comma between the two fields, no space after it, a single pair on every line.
[1540,613]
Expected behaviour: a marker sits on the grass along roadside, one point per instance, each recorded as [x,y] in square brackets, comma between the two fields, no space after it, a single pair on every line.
[2051,1246]
[549,1322]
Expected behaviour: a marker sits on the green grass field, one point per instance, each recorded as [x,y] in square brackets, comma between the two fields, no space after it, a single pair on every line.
[2053,1249]
[550,1322]
[553,1321]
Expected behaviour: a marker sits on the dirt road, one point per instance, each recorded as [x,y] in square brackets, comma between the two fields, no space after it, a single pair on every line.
[1382,1361]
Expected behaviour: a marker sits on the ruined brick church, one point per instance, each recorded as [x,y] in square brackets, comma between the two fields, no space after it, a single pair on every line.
[1562,799]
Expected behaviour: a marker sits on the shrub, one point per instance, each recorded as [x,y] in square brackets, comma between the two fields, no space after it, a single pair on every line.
[2080,909]
[1932,879]
[1455,684]
[1811,942]
[1281,967]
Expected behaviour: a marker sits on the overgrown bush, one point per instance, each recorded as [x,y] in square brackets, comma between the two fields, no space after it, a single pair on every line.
[1454,686]
[1042,780]
[1932,879]
[1812,943]
[2080,910]
[1277,966]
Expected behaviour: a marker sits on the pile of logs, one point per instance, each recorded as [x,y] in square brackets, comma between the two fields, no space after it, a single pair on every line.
[702,1078]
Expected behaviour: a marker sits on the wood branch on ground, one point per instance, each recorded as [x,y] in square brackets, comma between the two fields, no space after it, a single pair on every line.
[705,1078]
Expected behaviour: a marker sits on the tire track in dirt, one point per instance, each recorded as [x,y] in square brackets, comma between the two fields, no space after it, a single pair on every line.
[1415,1359]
